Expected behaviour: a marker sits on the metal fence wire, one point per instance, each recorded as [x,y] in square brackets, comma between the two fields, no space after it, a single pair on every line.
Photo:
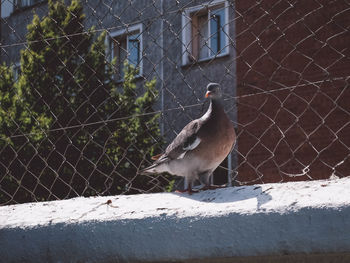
[90,90]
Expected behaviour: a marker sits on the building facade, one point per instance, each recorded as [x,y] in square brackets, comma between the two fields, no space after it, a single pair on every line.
[183,45]
[283,66]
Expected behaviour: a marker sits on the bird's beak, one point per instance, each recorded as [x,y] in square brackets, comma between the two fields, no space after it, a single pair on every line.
[207,94]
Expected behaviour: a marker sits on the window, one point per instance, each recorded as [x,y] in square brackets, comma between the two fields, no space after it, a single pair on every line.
[126,45]
[16,68]
[18,4]
[205,32]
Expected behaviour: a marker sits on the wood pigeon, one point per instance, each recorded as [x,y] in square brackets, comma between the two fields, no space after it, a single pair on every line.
[201,145]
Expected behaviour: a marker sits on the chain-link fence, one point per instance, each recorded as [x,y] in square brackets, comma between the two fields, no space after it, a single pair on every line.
[90,90]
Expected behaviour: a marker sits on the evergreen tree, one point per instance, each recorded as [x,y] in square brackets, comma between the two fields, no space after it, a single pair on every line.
[66,82]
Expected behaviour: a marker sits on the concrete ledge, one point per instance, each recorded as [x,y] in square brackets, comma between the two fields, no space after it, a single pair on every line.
[289,222]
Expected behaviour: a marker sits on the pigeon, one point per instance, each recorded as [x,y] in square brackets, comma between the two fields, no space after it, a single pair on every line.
[201,145]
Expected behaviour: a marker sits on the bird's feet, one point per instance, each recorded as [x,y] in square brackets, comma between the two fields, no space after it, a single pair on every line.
[190,191]
[212,187]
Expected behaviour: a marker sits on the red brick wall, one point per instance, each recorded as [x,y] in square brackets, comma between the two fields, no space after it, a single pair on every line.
[303,131]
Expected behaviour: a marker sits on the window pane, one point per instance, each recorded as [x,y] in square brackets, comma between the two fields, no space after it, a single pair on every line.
[203,36]
[215,34]
[16,72]
[121,57]
[26,3]
[119,53]
[125,48]
[217,38]
[134,49]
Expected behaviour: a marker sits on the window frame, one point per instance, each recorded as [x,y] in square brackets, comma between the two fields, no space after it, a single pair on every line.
[124,34]
[187,31]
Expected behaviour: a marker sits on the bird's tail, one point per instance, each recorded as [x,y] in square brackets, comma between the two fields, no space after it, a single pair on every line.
[160,166]
[149,170]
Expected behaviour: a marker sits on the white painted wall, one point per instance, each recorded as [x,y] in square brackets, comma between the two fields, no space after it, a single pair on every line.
[6,8]
[300,218]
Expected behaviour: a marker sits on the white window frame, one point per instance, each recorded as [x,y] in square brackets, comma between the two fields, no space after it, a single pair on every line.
[126,32]
[187,30]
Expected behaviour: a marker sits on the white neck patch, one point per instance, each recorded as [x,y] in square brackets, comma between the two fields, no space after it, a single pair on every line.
[207,114]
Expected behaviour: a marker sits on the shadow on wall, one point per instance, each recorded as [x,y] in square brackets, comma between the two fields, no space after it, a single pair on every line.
[232,194]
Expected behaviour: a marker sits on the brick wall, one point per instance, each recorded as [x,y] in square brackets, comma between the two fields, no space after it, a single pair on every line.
[296,133]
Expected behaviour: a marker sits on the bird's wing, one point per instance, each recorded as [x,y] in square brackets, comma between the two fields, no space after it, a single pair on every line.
[185,141]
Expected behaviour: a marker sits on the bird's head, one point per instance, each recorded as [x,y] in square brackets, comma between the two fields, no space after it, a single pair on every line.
[213,91]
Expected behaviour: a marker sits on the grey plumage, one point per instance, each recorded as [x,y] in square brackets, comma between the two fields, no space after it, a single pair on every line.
[201,145]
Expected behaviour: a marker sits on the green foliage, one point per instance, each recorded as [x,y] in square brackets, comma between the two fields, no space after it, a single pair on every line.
[66,82]
[7,101]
